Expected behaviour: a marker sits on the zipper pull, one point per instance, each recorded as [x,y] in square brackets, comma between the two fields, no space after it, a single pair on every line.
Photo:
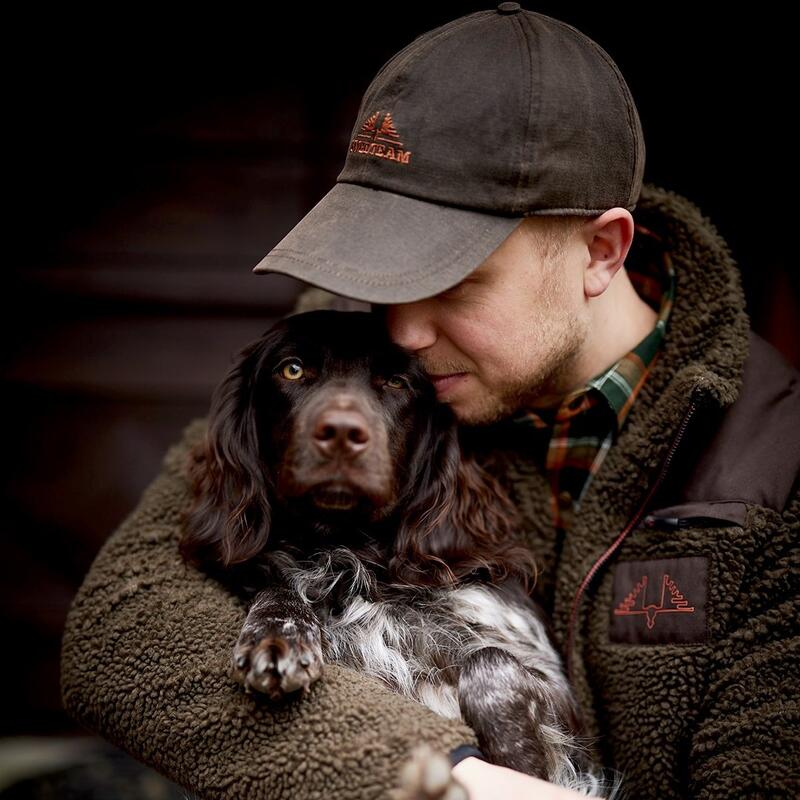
[665,522]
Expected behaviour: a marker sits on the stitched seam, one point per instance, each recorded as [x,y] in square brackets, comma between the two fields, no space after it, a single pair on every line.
[443,34]
[487,211]
[410,57]
[524,50]
[551,211]
[711,580]
[620,82]
[705,502]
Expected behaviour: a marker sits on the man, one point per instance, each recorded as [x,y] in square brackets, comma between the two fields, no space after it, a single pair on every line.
[492,209]
[576,320]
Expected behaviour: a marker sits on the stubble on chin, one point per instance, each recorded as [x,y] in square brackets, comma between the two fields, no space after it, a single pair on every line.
[488,406]
[557,336]
[551,377]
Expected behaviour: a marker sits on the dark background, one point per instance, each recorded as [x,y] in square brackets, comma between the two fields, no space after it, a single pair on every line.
[153,160]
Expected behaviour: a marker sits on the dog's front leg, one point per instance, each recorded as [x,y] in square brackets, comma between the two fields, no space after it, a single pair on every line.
[511,709]
[280,647]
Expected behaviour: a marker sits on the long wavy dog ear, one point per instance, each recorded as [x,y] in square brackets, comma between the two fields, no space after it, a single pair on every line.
[458,519]
[230,516]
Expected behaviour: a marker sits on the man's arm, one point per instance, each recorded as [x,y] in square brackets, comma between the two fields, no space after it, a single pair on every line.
[747,742]
[486,781]
[145,663]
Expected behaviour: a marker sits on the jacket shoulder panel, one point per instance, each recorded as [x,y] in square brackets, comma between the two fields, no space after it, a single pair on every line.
[749,452]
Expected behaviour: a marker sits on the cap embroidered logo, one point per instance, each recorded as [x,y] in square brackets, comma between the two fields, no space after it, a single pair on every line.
[381,141]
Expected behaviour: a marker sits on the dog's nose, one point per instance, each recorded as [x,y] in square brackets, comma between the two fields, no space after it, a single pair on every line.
[341,430]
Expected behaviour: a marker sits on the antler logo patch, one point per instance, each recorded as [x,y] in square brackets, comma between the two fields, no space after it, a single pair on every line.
[660,602]
[379,137]
[670,599]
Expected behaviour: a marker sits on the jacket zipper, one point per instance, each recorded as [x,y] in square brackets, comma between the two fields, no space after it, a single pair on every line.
[626,530]
[672,522]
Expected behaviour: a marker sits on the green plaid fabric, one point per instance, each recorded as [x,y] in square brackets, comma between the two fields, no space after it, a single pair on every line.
[571,441]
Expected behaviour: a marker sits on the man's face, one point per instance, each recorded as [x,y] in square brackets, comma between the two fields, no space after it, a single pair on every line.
[515,326]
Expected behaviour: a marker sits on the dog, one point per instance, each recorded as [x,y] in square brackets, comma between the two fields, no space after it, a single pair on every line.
[333,489]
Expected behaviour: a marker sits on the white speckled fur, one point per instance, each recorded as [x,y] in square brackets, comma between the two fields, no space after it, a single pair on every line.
[416,641]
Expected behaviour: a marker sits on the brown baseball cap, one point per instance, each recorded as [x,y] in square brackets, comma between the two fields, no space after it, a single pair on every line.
[474,125]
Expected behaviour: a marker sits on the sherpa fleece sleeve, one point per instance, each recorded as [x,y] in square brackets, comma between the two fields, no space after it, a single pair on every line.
[144,663]
[747,743]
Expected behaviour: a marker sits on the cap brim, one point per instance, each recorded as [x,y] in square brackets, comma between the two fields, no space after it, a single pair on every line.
[382,247]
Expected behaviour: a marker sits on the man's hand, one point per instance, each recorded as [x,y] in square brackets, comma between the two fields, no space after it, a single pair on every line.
[486,781]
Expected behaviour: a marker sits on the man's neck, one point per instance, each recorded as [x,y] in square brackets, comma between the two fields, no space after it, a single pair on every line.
[620,319]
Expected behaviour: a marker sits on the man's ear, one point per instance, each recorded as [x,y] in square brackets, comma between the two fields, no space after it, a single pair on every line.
[609,238]
[457,519]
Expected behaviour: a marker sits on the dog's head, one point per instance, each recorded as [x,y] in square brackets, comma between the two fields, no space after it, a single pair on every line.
[327,425]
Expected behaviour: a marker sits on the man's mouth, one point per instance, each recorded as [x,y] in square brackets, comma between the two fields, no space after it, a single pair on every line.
[443,383]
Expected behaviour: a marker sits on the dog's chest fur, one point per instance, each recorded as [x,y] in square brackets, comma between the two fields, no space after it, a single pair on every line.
[416,640]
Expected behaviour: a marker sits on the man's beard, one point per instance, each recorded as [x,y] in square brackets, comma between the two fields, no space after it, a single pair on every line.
[551,375]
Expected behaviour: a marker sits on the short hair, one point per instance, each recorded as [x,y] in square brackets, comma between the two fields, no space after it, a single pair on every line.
[549,233]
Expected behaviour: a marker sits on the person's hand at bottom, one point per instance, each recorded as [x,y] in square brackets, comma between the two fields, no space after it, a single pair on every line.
[485,781]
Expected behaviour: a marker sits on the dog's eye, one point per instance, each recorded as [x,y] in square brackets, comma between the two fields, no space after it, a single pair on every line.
[292,370]
[397,382]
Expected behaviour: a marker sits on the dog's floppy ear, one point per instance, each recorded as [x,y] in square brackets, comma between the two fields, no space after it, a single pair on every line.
[229,520]
[458,519]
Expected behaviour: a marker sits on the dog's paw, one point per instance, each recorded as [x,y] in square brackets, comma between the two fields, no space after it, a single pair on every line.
[427,776]
[277,658]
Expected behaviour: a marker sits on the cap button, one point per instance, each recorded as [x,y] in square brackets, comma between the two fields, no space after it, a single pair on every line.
[508,8]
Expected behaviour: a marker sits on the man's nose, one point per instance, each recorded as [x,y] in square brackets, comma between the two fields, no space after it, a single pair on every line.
[410,325]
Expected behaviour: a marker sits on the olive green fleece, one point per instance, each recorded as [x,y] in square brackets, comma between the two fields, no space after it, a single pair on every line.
[148,640]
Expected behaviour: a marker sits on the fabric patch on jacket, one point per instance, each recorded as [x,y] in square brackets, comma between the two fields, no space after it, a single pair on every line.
[661,601]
